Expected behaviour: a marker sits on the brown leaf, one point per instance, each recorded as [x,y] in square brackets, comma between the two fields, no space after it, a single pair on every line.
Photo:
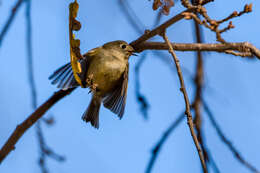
[169,3]
[157,4]
[166,10]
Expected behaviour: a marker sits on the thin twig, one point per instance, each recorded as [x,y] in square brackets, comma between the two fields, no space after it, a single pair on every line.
[32,82]
[226,141]
[26,124]
[187,103]
[131,16]
[139,27]
[211,160]
[30,55]
[42,159]
[43,151]
[241,54]
[158,30]
[197,102]
[19,131]
[144,105]
[157,148]
[10,20]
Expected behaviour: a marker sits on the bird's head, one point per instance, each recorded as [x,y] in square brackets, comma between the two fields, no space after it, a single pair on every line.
[119,48]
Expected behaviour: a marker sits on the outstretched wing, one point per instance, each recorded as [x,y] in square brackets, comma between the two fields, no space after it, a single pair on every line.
[116,100]
[64,76]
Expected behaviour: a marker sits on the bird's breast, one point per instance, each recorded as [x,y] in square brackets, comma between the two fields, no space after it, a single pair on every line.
[105,73]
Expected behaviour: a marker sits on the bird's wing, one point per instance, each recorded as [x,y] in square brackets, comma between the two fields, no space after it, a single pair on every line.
[84,65]
[64,77]
[116,100]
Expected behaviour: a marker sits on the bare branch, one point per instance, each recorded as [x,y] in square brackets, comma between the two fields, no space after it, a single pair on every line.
[213,25]
[74,25]
[133,19]
[44,152]
[157,148]
[30,55]
[139,45]
[247,9]
[243,47]
[10,20]
[144,105]
[185,95]
[26,124]
[199,77]
[158,30]
[139,27]
[226,141]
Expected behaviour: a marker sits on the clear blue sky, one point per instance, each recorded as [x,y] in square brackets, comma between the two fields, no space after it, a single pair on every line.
[232,91]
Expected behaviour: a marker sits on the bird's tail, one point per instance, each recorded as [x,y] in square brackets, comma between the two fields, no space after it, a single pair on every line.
[92,113]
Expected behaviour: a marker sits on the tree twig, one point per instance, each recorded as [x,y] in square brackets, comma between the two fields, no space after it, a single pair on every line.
[157,148]
[197,102]
[144,105]
[139,46]
[10,20]
[159,30]
[26,124]
[44,152]
[245,47]
[187,103]
[132,18]
[139,27]
[226,141]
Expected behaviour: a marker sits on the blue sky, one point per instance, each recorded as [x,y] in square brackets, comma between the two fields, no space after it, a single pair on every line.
[232,91]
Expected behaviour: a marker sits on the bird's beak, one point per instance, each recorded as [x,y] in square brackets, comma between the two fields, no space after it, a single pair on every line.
[131,51]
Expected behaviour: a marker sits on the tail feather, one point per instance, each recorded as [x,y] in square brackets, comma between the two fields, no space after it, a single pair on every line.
[92,113]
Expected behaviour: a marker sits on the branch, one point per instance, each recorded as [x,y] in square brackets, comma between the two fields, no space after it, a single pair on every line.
[224,139]
[199,77]
[25,125]
[158,30]
[44,149]
[139,46]
[75,54]
[209,23]
[10,20]
[199,82]
[142,100]
[139,27]
[186,99]
[243,47]
[131,16]
[157,148]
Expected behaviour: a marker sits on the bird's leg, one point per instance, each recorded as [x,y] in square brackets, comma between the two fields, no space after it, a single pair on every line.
[91,84]
[93,87]
[89,80]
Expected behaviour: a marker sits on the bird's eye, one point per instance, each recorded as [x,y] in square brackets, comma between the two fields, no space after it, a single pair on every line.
[123,46]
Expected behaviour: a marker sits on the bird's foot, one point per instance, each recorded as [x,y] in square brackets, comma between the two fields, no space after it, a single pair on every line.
[93,87]
[89,80]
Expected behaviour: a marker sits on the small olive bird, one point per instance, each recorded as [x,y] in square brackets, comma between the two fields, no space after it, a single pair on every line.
[105,73]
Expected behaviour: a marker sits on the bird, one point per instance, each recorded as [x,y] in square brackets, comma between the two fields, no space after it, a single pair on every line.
[104,70]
